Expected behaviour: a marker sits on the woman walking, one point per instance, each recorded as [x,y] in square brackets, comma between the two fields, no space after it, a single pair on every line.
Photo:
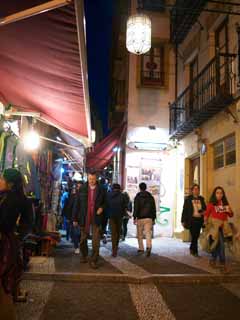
[216,218]
[192,217]
[13,207]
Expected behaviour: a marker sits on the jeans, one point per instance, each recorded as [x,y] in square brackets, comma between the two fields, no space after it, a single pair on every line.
[76,236]
[219,251]
[195,229]
[124,227]
[67,226]
[116,226]
[144,226]
[96,235]
[104,225]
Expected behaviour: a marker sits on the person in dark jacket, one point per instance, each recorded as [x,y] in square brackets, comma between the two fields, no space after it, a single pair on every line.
[105,186]
[193,216]
[88,213]
[75,230]
[64,206]
[126,216]
[144,216]
[14,210]
[116,207]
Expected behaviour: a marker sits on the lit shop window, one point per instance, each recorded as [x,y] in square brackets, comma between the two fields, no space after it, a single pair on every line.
[225,152]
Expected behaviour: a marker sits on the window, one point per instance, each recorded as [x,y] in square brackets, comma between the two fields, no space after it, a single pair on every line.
[219,155]
[153,67]
[230,150]
[221,46]
[225,152]
[193,96]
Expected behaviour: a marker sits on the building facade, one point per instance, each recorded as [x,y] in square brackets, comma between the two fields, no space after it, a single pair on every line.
[204,118]
[181,104]
[151,85]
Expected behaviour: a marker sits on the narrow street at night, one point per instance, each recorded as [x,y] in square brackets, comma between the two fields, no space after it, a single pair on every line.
[119,159]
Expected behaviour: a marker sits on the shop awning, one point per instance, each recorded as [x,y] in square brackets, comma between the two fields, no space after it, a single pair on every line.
[43,67]
[104,151]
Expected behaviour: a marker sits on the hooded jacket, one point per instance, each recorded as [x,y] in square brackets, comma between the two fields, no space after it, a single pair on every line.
[116,204]
[144,206]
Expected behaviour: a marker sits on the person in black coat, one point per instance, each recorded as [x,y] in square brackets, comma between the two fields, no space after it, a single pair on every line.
[88,213]
[193,217]
[116,207]
[15,211]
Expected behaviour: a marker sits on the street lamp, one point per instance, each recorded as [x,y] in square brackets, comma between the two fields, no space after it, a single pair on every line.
[31,140]
[139,30]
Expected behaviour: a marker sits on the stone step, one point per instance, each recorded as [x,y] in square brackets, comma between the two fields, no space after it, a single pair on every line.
[124,278]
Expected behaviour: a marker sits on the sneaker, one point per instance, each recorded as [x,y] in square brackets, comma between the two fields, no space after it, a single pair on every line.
[77,251]
[93,265]
[140,251]
[148,252]
[123,239]
[104,239]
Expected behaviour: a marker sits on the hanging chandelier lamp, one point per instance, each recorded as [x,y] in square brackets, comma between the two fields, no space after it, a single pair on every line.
[139,32]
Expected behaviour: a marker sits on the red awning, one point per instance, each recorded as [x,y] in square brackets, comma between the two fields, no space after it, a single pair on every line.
[103,152]
[40,69]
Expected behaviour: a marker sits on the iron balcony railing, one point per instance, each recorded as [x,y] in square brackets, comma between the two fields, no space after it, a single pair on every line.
[210,92]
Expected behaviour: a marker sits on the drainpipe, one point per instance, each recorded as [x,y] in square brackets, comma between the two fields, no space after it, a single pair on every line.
[176,71]
[238,37]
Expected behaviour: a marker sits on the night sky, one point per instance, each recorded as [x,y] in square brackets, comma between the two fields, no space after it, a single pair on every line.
[99,21]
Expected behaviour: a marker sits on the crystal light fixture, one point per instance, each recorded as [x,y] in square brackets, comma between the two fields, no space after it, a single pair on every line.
[138,39]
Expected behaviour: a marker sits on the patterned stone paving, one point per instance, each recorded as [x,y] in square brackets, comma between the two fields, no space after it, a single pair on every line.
[151,301]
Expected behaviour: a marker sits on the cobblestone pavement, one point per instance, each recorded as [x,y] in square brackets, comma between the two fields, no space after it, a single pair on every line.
[153,300]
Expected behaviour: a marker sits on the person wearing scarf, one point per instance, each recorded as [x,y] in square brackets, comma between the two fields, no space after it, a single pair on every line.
[88,213]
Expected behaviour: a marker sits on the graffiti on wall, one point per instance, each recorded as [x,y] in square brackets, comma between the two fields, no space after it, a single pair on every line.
[162,220]
[152,177]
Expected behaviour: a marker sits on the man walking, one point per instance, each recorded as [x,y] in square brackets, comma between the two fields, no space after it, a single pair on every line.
[144,216]
[88,213]
[116,207]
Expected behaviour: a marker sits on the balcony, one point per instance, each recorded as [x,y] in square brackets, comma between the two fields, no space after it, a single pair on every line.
[214,89]
[183,16]
[152,5]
